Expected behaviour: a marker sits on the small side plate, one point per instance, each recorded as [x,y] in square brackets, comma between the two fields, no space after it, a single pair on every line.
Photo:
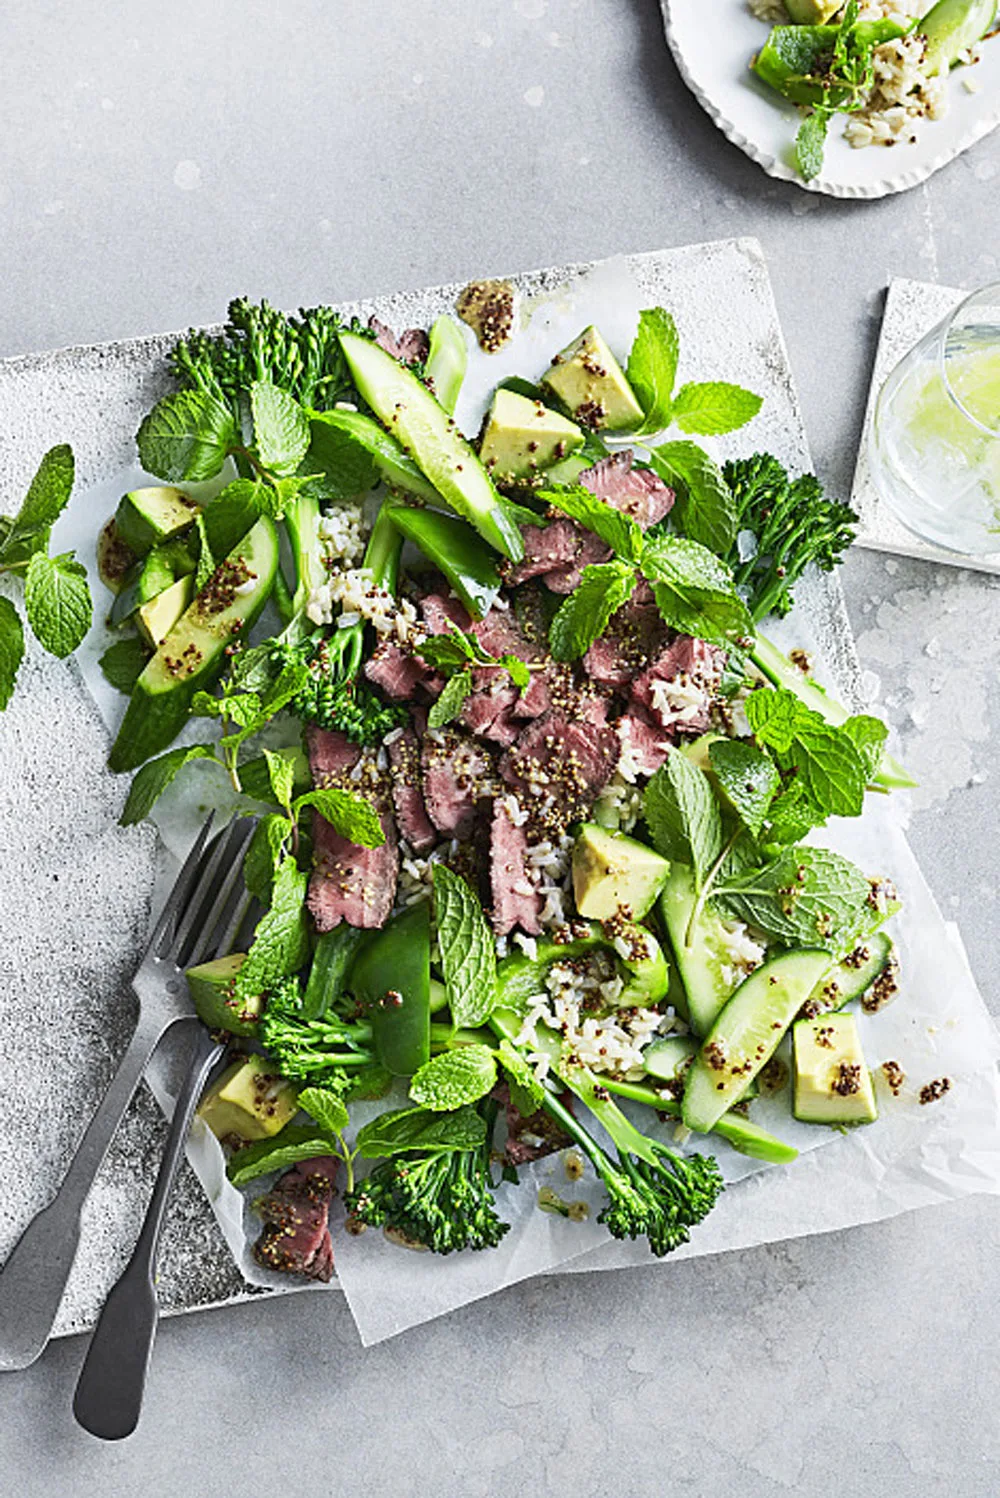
[713,53]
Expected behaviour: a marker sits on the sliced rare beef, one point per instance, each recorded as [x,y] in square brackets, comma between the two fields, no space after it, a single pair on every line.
[440,613]
[516,902]
[396,671]
[635,491]
[567,579]
[415,826]
[350,883]
[411,347]
[456,776]
[488,711]
[634,637]
[645,746]
[296,1238]
[545,547]
[676,689]
[332,756]
[559,765]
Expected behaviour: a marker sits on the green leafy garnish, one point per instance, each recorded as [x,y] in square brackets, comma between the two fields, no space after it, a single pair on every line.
[526,1092]
[406,1129]
[280,428]
[295,1142]
[451,699]
[57,602]
[264,854]
[694,590]
[11,649]
[186,436]
[748,777]
[584,616]
[711,407]
[806,897]
[830,769]
[349,815]
[618,531]
[149,783]
[47,497]
[683,815]
[652,366]
[454,1078]
[703,508]
[467,948]
[281,940]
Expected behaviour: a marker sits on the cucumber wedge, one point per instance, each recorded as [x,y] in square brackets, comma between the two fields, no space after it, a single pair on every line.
[951,27]
[854,976]
[446,361]
[192,655]
[701,963]
[746,1034]
[430,436]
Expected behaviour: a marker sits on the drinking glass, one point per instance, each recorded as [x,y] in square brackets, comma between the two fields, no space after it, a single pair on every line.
[934,444]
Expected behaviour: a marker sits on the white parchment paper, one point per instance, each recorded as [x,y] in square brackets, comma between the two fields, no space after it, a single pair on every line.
[915,1155]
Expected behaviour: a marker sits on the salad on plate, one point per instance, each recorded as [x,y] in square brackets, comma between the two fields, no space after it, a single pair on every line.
[539,860]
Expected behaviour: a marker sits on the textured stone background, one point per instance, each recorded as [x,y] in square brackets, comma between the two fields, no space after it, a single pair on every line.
[152,165]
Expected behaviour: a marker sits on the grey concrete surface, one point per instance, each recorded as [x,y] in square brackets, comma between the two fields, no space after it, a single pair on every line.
[156,161]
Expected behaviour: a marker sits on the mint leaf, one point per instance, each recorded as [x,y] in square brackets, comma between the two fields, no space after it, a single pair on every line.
[584,616]
[526,1092]
[830,769]
[325,1107]
[11,649]
[468,952]
[793,814]
[405,1129]
[616,530]
[281,773]
[281,493]
[186,436]
[748,777]
[281,941]
[342,448]
[47,496]
[694,590]
[868,735]
[232,513]
[810,143]
[149,783]
[264,854]
[350,816]
[712,407]
[280,428]
[57,602]
[295,1142]
[704,509]
[807,897]
[446,1082]
[774,716]
[451,700]
[124,662]
[517,670]
[652,366]
[683,815]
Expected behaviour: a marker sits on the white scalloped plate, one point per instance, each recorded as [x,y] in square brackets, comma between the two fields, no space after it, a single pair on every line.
[712,42]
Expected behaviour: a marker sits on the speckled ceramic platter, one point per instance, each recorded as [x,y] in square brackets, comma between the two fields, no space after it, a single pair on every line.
[713,41]
[76,891]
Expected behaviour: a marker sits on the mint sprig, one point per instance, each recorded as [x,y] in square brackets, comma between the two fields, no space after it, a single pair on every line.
[186,437]
[703,510]
[806,897]
[455,1078]
[683,815]
[468,952]
[585,614]
[652,367]
[11,649]
[423,1129]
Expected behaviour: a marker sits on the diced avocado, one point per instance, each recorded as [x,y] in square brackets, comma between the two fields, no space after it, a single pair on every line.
[952,27]
[157,617]
[811,12]
[212,986]
[429,434]
[145,517]
[588,381]
[747,1032]
[522,437]
[615,875]
[191,656]
[832,1083]
[643,965]
[115,560]
[249,1101]
[702,951]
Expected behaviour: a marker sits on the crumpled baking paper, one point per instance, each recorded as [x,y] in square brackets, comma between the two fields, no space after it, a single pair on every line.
[915,1155]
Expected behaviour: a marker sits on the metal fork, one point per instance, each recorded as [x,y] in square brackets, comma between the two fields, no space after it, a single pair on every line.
[34,1277]
[112,1381]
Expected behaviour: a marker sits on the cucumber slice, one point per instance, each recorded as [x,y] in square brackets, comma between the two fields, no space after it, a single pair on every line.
[951,27]
[192,655]
[158,617]
[425,429]
[668,1058]
[147,579]
[701,964]
[747,1032]
[853,976]
[447,358]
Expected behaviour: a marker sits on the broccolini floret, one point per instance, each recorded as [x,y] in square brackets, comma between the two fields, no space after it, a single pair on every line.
[789,524]
[442,1199]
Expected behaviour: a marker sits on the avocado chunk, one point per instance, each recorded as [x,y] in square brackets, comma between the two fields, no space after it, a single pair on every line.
[588,381]
[614,875]
[747,1033]
[115,560]
[832,1083]
[952,27]
[145,517]
[249,1101]
[811,12]
[149,576]
[212,986]
[521,437]
[157,617]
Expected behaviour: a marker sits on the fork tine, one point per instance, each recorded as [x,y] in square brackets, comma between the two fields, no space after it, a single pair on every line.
[208,933]
[233,926]
[182,887]
[190,922]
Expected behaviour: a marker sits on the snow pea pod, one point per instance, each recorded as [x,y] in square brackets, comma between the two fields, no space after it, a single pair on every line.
[335,951]
[456,550]
[391,980]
